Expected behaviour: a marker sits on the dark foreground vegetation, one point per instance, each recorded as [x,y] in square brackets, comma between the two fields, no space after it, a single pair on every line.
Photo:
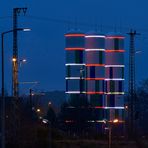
[39,128]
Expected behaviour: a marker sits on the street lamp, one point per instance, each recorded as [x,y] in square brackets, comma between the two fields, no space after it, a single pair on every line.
[13,59]
[20,62]
[26,29]
[38,110]
[23,60]
[2,83]
[110,130]
[115,121]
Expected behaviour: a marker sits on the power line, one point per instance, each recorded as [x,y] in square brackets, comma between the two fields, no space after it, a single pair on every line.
[5,17]
[64,21]
[79,23]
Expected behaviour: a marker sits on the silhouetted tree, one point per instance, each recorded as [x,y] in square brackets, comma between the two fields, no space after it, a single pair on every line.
[51,116]
[142,105]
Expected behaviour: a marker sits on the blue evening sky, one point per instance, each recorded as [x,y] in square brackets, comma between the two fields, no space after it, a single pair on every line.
[43,47]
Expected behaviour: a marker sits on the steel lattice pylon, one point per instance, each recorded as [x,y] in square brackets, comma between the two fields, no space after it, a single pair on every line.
[131,85]
[15,83]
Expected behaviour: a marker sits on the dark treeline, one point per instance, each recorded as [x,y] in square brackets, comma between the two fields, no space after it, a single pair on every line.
[41,128]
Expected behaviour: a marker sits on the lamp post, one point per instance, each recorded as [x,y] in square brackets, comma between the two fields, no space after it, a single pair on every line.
[22,61]
[110,130]
[3,87]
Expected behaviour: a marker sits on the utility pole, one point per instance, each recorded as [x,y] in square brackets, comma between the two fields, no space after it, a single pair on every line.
[3,98]
[132,85]
[15,83]
[16,13]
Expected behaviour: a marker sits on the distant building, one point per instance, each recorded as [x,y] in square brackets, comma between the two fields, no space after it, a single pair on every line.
[95,72]
[114,77]
[75,66]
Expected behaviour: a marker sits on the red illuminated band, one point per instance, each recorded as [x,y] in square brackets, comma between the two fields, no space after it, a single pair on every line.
[115,50]
[88,65]
[74,35]
[94,78]
[115,37]
[93,92]
[99,107]
[74,48]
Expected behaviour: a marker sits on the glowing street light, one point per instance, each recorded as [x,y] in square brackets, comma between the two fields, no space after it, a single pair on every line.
[49,103]
[26,29]
[23,60]
[126,107]
[13,59]
[115,121]
[45,121]
[20,62]
[38,110]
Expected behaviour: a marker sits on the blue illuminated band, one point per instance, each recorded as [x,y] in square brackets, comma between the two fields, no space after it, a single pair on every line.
[114,79]
[75,92]
[114,65]
[73,78]
[94,36]
[117,107]
[115,93]
[94,49]
[75,64]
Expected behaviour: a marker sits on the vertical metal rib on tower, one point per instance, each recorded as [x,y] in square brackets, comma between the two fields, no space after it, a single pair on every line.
[114,80]
[95,71]
[75,66]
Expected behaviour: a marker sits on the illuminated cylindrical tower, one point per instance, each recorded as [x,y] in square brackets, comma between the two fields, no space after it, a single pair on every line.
[95,71]
[75,67]
[114,77]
